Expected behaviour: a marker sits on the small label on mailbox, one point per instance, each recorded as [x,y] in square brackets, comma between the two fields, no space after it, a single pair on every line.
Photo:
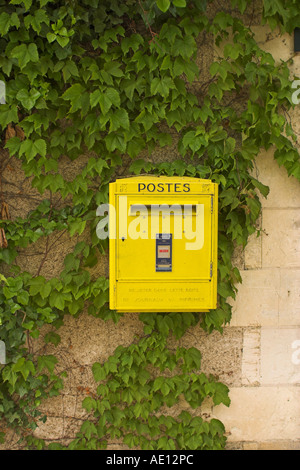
[164,252]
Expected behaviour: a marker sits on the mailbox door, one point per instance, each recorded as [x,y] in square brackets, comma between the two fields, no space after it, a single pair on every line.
[137,243]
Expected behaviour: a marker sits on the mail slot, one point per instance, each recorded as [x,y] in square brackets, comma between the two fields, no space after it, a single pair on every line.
[176,208]
[163,244]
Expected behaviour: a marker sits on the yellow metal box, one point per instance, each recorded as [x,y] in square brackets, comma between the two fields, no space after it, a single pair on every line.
[163,244]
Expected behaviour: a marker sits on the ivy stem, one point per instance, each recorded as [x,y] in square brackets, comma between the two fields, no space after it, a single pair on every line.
[153,34]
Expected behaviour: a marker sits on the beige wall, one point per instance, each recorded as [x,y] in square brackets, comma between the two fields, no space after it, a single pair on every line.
[265,411]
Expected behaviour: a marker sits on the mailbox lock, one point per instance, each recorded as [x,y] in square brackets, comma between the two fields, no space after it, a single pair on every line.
[164,252]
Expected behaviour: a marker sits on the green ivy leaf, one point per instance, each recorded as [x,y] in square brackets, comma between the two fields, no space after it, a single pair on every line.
[70,70]
[27,3]
[193,357]
[263,189]
[77,226]
[89,404]
[25,54]
[28,98]
[115,141]
[98,372]
[53,338]
[7,115]
[4,23]
[221,394]
[75,95]
[105,98]
[138,165]
[25,367]
[57,300]
[31,148]
[44,290]
[162,86]
[35,21]
[9,375]
[113,68]
[23,297]
[119,119]
[163,5]
[179,3]
[47,362]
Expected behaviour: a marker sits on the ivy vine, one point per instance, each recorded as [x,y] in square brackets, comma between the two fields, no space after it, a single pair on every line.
[115,81]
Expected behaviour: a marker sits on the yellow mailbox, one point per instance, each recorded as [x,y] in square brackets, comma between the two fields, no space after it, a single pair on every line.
[163,244]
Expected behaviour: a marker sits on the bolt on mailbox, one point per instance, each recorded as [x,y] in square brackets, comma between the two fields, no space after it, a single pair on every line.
[163,244]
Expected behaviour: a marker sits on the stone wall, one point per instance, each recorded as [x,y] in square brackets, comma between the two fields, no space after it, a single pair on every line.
[265,408]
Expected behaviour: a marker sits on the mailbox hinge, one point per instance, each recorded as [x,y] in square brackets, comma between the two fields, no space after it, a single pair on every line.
[211,268]
[212,204]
